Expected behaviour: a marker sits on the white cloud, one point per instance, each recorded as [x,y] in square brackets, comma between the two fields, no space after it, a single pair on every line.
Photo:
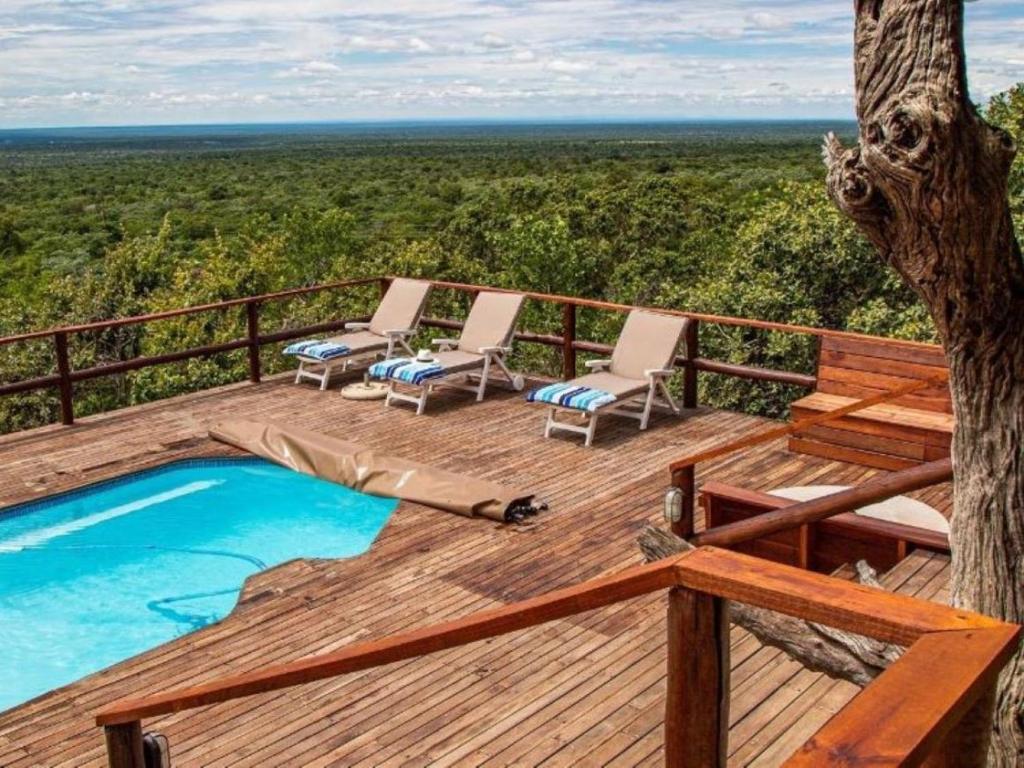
[568,67]
[99,60]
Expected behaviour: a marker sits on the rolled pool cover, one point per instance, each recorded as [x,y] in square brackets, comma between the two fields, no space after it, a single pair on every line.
[364,469]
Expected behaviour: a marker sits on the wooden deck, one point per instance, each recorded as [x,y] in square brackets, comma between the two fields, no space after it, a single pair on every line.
[587,691]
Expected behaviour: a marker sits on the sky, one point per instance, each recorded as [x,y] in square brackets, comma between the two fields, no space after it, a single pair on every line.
[125,62]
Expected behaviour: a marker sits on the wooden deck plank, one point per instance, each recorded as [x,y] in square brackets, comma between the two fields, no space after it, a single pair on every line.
[585,691]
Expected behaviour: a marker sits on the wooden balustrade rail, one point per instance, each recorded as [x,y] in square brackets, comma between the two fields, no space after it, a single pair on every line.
[873,491]
[909,712]
[683,473]
[691,362]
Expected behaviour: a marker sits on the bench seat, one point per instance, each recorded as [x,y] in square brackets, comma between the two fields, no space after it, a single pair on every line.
[914,429]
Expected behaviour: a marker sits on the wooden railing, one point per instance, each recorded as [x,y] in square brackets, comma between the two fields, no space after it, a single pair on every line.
[65,377]
[684,473]
[937,698]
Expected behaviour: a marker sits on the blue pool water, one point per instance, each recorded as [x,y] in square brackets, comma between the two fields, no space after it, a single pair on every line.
[90,578]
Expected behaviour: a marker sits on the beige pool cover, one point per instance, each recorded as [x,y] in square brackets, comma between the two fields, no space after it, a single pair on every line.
[364,469]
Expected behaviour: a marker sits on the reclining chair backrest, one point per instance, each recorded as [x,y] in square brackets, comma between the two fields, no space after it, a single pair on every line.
[401,306]
[492,321]
[648,342]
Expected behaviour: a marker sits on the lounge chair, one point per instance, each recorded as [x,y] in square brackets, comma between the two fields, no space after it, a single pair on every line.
[485,341]
[640,364]
[392,324]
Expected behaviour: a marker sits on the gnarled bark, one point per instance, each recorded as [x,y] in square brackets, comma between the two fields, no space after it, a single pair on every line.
[839,654]
[927,184]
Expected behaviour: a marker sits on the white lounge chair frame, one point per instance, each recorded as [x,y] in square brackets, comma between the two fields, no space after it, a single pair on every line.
[321,371]
[621,407]
[651,390]
[460,376]
[308,365]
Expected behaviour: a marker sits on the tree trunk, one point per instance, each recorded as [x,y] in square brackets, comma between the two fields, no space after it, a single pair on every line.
[839,654]
[927,184]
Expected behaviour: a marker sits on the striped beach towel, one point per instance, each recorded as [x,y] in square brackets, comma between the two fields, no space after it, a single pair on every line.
[317,348]
[569,395]
[406,370]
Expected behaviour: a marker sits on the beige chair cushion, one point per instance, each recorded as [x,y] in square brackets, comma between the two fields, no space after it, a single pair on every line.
[455,360]
[358,341]
[491,321]
[648,342]
[401,306]
[612,384]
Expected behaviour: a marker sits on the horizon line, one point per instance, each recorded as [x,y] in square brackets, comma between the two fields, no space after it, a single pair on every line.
[469,121]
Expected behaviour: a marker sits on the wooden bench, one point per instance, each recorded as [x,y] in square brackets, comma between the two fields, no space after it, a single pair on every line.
[822,546]
[913,429]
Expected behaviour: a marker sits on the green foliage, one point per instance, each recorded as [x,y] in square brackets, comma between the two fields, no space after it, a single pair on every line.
[735,225]
[1007,111]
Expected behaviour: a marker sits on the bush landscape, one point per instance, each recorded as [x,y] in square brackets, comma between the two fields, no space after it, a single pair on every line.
[727,218]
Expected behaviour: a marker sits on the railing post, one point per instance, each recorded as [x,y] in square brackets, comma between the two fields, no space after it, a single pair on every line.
[697,696]
[691,335]
[685,479]
[124,745]
[67,404]
[568,341]
[253,323]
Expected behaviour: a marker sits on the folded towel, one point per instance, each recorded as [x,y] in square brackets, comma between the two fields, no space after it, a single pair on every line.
[407,370]
[318,348]
[569,395]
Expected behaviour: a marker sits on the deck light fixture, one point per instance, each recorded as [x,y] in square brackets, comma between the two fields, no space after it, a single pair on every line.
[673,505]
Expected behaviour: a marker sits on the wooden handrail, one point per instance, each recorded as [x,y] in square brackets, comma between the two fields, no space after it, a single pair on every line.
[874,490]
[909,712]
[118,322]
[560,604]
[691,362]
[744,322]
[979,645]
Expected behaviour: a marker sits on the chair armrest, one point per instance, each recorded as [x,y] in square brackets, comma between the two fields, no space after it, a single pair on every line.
[658,372]
[400,332]
[356,326]
[597,363]
[488,350]
[444,343]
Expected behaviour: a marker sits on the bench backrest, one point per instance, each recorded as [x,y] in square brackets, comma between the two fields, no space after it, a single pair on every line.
[863,367]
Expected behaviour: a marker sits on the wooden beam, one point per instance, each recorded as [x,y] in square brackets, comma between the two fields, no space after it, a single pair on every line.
[966,743]
[67,404]
[559,604]
[568,341]
[119,322]
[697,695]
[691,338]
[815,597]
[124,745]
[908,713]
[252,323]
[743,322]
[754,373]
[874,490]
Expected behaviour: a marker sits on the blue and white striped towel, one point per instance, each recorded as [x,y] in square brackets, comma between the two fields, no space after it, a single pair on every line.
[569,395]
[318,348]
[406,370]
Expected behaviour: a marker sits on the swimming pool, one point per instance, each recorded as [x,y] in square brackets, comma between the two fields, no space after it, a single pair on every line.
[97,575]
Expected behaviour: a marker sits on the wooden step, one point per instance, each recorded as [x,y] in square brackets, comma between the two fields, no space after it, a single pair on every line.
[849,455]
[879,427]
